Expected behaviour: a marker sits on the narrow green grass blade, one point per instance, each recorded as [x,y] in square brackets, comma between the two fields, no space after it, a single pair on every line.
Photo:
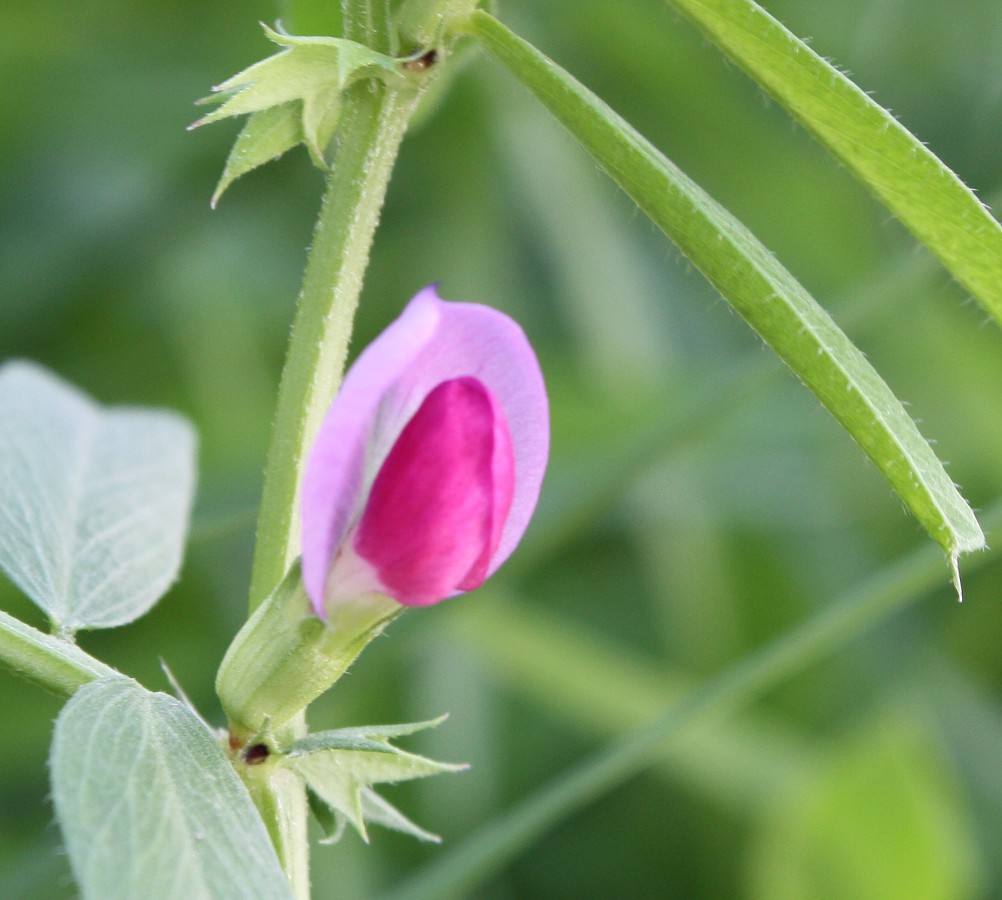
[459,871]
[756,285]
[938,208]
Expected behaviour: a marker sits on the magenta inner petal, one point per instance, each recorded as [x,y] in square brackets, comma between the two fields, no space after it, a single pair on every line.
[503,485]
[437,508]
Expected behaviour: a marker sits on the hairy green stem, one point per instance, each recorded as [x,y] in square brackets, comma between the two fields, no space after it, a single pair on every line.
[48,661]
[374,124]
[368,22]
[279,796]
[372,127]
[370,133]
[915,185]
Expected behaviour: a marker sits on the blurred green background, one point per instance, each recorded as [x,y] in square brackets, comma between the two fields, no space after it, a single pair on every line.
[699,501]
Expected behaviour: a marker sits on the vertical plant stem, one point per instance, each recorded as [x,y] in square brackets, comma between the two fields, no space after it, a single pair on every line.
[374,124]
[372,128]
[281,800]
[368,22]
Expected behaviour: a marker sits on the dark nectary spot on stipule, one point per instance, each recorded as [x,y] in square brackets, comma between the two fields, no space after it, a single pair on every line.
[256,754]
[420,63]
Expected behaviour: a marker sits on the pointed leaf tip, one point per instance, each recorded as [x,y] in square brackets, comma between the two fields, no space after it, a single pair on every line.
[380,812]
[266,135]
[339,768]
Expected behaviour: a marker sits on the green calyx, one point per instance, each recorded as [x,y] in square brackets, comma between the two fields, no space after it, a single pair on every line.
[285,656]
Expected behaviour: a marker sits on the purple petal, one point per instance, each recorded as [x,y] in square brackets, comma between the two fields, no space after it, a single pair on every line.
[431,342]
[433,518]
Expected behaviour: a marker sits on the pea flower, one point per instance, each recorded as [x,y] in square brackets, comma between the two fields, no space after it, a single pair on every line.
[428,465]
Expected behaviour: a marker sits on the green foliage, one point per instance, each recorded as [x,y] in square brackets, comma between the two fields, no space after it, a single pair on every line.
[364,737]
[266,136]
[880,820]
[485,852]
[94,503]
[752,280]
[340,767]
[917,187]
[292,97]
[421,22]
[692,513]
[150,806]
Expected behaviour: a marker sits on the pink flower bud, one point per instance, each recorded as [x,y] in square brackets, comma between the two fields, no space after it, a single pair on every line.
[429,463]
